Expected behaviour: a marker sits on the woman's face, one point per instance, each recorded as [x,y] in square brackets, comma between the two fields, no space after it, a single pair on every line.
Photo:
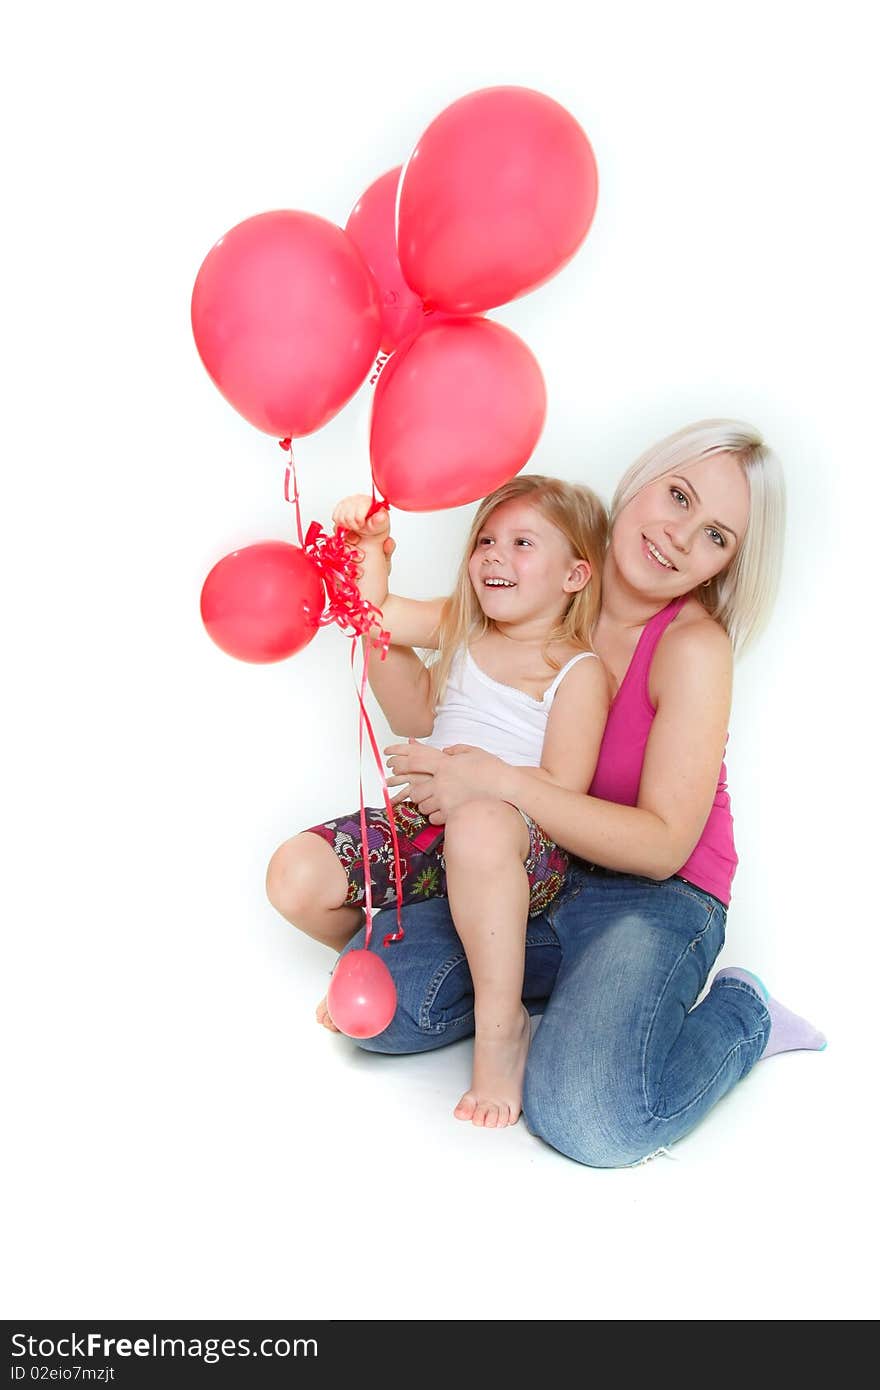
[683,528]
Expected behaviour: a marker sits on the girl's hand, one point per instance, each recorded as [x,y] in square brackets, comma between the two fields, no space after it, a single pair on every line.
[351,514]
[438,782]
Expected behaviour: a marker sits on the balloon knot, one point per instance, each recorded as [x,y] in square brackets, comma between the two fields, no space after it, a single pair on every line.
[285,443]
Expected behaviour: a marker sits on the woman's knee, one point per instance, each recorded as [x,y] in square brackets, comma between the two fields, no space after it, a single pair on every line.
[300,876]
[576,1124]
[482,830]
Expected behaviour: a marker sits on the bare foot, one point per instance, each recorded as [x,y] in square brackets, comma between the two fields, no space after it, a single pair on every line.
[495,1097]
[323,1017]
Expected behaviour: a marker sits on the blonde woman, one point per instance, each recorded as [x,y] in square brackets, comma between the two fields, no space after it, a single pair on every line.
[625,1061]
[515,674]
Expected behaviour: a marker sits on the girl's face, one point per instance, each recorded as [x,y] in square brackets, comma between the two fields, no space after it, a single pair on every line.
[522,566]
[683,528]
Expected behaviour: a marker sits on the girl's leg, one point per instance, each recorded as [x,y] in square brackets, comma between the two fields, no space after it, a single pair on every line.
[435,997]
[623,1064]
[307,884]
[485,848]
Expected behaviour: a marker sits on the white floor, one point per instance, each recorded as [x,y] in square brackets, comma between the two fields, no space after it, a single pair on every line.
[188,1144]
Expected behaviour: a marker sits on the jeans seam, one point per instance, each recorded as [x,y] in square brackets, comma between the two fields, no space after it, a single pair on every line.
[425,1026]
[546,938]
[743,1041]
[566,895]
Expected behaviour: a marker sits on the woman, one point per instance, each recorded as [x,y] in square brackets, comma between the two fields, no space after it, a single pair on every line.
[623,1064]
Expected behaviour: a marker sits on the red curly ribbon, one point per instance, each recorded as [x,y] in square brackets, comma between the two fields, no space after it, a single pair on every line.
[346,607]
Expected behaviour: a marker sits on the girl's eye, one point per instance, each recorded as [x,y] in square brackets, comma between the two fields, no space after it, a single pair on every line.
[484,540]
[679,496]
[522,540]
[716,536]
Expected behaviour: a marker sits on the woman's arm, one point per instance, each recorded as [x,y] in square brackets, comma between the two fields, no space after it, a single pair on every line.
[692,682]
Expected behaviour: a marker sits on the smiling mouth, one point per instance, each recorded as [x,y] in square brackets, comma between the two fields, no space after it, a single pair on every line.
[499,583]
[655,554]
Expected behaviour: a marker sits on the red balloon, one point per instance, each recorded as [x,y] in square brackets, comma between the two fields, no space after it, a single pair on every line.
[362,998]
[371,228]
[263,603]
[456,414]
[285,316]
[497,196]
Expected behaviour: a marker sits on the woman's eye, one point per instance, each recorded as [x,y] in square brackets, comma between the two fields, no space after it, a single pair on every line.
[716,536]
[679,496]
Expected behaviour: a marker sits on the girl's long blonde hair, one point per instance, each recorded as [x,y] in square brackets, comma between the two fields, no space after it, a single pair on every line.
[580,516]
[741,597]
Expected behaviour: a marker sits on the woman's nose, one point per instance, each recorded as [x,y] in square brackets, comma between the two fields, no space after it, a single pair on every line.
[679,535]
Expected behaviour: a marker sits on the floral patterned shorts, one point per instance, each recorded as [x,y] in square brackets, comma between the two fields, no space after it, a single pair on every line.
[422,865]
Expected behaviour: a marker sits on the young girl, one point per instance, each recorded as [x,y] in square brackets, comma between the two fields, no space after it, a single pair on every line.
[515,675]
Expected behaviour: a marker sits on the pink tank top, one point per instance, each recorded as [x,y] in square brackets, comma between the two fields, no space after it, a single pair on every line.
[619,769]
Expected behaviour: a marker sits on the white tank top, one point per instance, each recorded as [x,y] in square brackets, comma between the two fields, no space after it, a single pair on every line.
[498,718]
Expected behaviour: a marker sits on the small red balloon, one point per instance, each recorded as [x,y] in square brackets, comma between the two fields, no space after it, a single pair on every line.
[263,603]
[456,413]
[362,998]
[371,228]
[285,314]
[497,196]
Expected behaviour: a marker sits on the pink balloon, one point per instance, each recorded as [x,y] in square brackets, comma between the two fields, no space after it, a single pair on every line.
[362,998]
[371,228]
[497,196]
[262,603]
[286,319]
[456,413]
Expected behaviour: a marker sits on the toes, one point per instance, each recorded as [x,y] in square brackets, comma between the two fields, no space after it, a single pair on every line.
[466,1106]
[322,1016]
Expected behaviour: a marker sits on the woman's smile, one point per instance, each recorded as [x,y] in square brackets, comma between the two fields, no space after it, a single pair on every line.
[656,555]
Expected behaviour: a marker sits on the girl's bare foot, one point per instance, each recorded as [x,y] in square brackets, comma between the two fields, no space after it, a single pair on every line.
[495,1097]
[323,1017]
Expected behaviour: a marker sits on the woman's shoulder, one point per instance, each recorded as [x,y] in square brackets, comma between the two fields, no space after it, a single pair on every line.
[694,643]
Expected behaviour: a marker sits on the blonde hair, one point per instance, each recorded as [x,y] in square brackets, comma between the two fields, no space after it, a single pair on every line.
[583,521]
[741,597]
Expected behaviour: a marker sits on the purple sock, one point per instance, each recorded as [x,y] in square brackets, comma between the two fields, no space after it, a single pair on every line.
[788,1032]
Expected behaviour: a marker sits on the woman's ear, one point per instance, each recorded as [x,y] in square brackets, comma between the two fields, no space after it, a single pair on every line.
[578,577]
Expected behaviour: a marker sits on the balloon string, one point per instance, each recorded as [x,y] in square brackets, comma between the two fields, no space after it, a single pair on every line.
[337,564]
[365,723]
[290,476]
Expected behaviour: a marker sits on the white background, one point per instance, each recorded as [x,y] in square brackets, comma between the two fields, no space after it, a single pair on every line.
[183,1141]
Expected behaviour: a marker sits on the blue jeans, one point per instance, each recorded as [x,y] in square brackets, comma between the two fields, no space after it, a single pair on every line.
[622,1064]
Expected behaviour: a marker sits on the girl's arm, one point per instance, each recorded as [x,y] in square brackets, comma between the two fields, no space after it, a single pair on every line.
[691,676]
[575,726]
[400,683]
[411,622]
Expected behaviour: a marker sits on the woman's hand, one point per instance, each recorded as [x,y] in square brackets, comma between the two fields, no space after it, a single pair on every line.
[438,781]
